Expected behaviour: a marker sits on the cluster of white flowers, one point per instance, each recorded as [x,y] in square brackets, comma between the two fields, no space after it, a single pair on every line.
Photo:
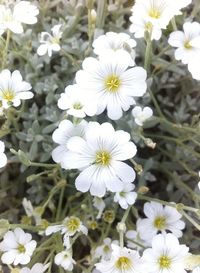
[151,16]
[13,15]
[187,43]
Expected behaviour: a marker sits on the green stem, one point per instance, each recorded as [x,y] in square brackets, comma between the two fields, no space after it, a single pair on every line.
[148,53]
[5,52]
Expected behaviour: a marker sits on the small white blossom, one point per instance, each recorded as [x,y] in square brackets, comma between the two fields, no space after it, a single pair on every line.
[159,219]
[61,136]
[100,157]
[77,102]
[69,227]
[134,240]
[99,204]
[141,115]
[122,260]
[12,18]
[151,16]
[104,251]
[114,42]
[3,158]
[50,43]
[165,256]
[126,196]
[113,85]
[187,42]
[37,268]
[30,211]
[65,260]
[13,89]
[17,246]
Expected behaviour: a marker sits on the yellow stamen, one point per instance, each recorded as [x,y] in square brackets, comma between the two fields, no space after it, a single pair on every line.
[103,158]
[73,224]
[123,263]
[160,222]
[164,262]
[112,83]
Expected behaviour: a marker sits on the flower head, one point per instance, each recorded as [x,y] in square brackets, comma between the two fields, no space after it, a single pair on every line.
[127,196]
[104,251]
[114,42]
[65,260]
[11,18]
[187,42]
[50,42]
[159,219]
[17,246]
[3,158]
[141,115]
[166,255]
[122,260]
[61,136]
[99,157]
[13,89]
[77,102]
[113,85]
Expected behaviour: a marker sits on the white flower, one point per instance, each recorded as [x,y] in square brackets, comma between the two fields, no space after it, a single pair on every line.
[17,246]
[99,155]
[65,260]
[122,260]
[141,25]
[187,42]
[113,42]
[77,102]
[104,251]
[50,43]
[151,16]
[126,196]
[37,268]
[112,83]
[193,67]
[12,19]
[3,158]
[61,136]
[13,89]
[99,204]
[134,240]
[69,227]
[141,115]
[165,256]
[159,219]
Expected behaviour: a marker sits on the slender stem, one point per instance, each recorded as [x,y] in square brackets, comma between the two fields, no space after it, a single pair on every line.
[5,52]
[147,60]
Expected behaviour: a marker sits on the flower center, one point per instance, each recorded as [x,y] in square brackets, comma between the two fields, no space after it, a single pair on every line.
[154,13]
[103,158]
[160,222]
[112,83]
[123,263]
[21,248]
[106,249]
[54,40]
[77,106]
[8,94]
[72,224]
[187,45]
[164,262]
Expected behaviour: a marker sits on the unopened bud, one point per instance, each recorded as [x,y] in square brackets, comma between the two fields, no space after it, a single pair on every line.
[121,227]
[109,216]
[139,169]
[143,190]
[93,16]
[150,143]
